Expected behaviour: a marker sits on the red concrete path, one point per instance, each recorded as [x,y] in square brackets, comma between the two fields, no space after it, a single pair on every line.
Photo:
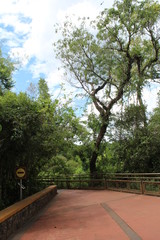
[95,215]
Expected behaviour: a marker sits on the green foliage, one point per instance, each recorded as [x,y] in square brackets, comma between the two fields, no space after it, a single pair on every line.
[43,90]
[115,57]
[38,134]
[107,162]
[154,129]
[61,166]
[135,144]
[20,142]
[6,69]
[129,122]
[21,122]
[94,124]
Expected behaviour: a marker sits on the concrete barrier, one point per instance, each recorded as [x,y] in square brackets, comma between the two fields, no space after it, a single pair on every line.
[16,215]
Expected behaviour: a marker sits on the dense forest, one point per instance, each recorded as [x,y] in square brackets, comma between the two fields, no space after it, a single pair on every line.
[111,65]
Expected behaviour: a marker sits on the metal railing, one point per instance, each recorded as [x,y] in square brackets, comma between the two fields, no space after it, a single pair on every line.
[142,183]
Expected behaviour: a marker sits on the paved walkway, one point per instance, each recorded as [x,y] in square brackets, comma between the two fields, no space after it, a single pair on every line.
[95,215]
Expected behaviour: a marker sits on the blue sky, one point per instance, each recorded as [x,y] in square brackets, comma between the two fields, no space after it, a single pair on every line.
[27,34]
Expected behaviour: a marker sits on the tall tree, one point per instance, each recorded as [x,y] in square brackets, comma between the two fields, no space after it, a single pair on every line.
[130,138]
[107,62]
[6,70]
[22,140]
[154,129]
[43,90]
[32,90]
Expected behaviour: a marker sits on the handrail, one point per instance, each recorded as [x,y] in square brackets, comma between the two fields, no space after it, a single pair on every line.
[106,176]
[143,183]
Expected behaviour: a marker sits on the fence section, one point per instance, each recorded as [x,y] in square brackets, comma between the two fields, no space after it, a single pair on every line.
[142,183]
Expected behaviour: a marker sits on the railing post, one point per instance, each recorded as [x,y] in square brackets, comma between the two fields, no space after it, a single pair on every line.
[142,186]
[105,183]
[117,185]
[128,185]
[80,182]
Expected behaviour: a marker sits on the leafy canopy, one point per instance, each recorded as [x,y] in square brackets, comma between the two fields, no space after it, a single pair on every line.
[113,57]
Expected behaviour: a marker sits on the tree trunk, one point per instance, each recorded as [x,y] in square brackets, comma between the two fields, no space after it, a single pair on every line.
[139,99]
[96,149]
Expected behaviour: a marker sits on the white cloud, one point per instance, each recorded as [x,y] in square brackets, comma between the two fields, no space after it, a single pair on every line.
[33,21]
[82,9]
[54,78]
[20,55]
[8,36]
[38,28]
[16,22]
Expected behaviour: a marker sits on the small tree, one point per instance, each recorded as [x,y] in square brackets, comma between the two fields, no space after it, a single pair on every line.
[118,55]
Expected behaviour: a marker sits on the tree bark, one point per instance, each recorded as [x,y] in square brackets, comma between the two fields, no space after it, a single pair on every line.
[139,99]
[96,149]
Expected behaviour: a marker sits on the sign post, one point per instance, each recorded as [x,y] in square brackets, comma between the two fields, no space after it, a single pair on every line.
[20,185]
[21,174]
